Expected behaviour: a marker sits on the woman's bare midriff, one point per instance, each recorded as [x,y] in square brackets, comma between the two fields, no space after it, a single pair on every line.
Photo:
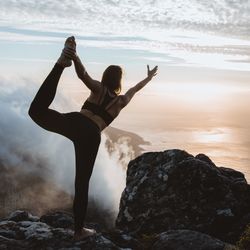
[96,119]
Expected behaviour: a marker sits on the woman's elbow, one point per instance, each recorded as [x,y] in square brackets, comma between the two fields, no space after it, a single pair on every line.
[125,100]
[33,111]
[36,110]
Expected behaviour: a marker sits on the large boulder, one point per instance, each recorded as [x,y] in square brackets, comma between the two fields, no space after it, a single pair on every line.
[174,190]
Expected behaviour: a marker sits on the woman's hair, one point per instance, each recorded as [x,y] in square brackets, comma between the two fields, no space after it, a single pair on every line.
[112,77]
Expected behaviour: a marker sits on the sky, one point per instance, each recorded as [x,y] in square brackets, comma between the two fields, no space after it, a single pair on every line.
[200,99]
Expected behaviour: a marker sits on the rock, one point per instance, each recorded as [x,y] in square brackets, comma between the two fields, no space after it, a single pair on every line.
[8,233]
[173,190]
[58,219]
[123,239]
[9,230]
[10,244]
[37,231]
[186,240]
[172,200]
[27,234]
[20,215]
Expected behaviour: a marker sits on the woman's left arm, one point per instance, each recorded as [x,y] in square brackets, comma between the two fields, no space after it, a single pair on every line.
[132,91]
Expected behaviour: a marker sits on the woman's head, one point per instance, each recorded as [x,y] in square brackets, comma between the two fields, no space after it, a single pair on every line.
[112,77]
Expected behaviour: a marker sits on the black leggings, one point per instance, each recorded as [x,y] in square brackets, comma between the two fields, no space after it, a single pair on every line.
[83,132]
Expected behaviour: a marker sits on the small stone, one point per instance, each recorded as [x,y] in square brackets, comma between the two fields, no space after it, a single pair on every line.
[18,215]
[8,233]
[165,177]
[225,212]
[186,240]
[37,230]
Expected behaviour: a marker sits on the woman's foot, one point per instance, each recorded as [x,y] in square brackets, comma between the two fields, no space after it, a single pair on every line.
[85,232]
[64,60]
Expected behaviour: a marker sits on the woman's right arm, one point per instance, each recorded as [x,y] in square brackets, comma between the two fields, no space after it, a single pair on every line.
[81,72]
[131,92]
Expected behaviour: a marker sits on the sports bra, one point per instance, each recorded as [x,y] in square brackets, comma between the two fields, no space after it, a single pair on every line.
[100,109]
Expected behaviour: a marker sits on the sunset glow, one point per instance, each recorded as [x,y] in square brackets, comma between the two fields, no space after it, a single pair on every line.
[219,135]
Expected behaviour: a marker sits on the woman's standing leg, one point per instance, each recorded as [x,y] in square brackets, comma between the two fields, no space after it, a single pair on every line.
[86,149]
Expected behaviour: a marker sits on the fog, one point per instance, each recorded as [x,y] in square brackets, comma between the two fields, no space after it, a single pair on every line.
[40,164]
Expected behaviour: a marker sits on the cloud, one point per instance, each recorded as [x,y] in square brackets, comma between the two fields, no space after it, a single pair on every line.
[177,31]
[171,32]
[129,17]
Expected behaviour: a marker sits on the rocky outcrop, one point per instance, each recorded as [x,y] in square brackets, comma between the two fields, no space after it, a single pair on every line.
[21,230]
[172,201]
[173,190]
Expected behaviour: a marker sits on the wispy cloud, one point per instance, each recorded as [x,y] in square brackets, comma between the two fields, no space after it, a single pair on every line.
[129,17]
[166,30]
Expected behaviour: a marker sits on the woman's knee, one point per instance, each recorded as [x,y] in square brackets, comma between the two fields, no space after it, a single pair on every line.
[35,111]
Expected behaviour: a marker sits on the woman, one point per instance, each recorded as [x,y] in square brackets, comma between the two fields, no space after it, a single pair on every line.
[83,128]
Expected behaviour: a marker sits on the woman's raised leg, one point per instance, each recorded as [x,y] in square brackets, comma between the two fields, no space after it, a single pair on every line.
[39,111]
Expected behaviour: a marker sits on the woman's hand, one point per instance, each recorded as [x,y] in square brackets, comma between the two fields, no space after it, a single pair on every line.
[152,73]
[131,92]
[70,53]
[70,50]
